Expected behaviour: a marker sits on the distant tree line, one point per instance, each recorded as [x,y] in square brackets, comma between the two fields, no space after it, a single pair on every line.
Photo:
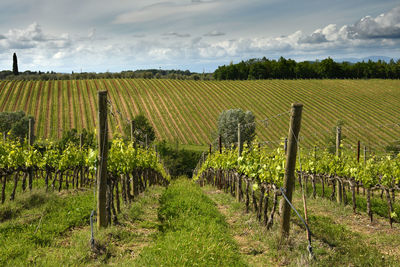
[146,74]
[264,68]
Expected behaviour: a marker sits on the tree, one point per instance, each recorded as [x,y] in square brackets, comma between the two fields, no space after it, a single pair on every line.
[15,65]
[15,123]
[228,122]
[142,129]
[72,136]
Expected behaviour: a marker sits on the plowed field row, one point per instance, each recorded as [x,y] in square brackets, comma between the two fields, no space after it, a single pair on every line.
[187,110]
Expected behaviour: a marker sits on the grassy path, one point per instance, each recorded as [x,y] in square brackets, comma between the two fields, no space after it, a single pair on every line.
[339,237]
[193,232]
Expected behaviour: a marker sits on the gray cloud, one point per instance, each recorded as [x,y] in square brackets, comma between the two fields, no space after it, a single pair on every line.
[384,26]
[181,35]
[314,38]
[214,33]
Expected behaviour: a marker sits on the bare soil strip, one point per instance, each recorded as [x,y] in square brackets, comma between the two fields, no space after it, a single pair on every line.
[38,105]
[59,109]
[146,109]
[48,116]
[81,105]
[70,106]
[121,99]
[91,104]
[176,128]
[186,92]
[18,94]
[155,107]
[131,99]
[197,132]
[8,93]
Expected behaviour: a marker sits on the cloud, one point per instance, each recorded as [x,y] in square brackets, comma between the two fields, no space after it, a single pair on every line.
[384,26]
[315,38]
[214,33]
[181,35]
[39,49]
[92,33]
[139,35]
[32,37]
[165,11]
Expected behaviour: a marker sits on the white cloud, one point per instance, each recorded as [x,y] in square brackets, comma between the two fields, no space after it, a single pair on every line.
[38,48]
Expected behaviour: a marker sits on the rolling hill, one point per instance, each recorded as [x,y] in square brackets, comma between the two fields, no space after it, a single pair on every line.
[187,110]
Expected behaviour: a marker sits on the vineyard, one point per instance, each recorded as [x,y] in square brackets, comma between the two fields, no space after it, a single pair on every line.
[260,172]
[186,111]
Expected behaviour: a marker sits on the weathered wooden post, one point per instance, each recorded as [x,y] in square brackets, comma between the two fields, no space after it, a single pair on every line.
[103,154]
[81,142]
[365,163]
[31,138]
[239,178]
[338,154]
[220,144]
[294,129]
[285,145]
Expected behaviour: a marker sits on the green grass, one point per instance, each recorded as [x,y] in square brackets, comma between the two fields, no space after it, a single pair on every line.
[40,218]
[194,233]
[117,245]
[335,243]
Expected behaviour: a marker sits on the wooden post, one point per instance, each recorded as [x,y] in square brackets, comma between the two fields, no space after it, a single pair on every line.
[81,142]
[238,177]
[358,151]
[285,145]
[103,153]
[220,144]
[146,141]
[338,154]
[240,145]
[294,129]
[31,138]
[210,150]
[338,140]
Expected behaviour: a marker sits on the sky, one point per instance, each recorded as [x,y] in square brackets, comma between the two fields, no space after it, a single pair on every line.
[198,35]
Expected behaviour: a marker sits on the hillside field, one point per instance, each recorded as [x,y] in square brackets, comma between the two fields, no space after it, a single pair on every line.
[186,111]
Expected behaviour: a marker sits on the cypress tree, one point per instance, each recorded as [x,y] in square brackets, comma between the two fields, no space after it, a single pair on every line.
[15,64]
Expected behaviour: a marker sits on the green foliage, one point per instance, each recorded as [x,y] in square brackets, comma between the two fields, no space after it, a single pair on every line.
[289,69]
[393,148]
[72,136]
[228,122]
[178,161]
[16,124]
[15,64]
[143,128]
